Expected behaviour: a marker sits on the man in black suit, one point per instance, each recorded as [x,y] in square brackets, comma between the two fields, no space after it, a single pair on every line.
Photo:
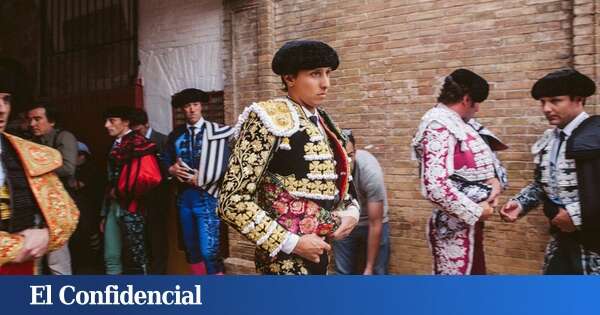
[158,205]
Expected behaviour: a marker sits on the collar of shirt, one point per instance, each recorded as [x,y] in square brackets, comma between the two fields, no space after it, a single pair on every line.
[148,133]
[316,113]
[572,125]
[118,140]
[309,113]
[198,125]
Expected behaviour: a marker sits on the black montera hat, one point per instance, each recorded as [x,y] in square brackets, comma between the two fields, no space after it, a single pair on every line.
[563,82]
[304,55]
[188,96]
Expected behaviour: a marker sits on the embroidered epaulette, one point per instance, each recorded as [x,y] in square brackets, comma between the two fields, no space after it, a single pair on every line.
[279,116]
[542,142]
[440,117]
[37,159]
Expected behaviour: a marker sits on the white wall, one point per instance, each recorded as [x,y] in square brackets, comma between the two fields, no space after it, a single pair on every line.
[180,43]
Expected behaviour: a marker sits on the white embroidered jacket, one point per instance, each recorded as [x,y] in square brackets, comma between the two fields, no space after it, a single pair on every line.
[445,145]
[563,187]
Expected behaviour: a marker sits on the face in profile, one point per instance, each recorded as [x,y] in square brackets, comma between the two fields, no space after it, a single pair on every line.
[116,126]
[309,87]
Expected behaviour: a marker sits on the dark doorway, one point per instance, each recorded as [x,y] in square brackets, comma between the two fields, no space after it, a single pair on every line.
[89,62]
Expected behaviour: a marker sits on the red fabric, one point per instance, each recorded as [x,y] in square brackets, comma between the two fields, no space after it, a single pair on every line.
[198,269]
[478,267]
[138,177]
[464,158]
[341,158]
[25,268]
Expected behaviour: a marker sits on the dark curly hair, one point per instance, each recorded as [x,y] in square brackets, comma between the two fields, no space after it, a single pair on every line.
[452,92]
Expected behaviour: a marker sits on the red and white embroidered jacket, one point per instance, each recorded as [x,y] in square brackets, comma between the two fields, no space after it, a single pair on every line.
[445,145]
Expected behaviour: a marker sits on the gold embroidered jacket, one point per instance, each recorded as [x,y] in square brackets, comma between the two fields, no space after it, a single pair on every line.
[58,209]
[284,176]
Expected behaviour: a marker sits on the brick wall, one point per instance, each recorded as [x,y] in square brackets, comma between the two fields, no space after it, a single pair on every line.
[393,54]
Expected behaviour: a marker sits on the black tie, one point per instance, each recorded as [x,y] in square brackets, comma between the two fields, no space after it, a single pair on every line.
[192,140]
[314,119]
[561,139]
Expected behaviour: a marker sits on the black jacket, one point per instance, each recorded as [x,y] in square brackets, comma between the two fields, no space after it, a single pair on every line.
[584,147]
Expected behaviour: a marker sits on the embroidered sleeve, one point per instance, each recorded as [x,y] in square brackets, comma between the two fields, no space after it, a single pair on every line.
[532,195]
[59,209]
[237,200]
[10,246]
[437,162]
[500,171]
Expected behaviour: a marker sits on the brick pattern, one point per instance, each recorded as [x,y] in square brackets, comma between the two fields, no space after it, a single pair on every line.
[393,55]
[240,60]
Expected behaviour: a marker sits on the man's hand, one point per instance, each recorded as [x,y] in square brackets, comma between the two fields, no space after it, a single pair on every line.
[346,226]
[487,212]
[496,190]
[35,244]
[563,221]
[179,172]
[193,179]
[510,211]
[311,247]
[182,171]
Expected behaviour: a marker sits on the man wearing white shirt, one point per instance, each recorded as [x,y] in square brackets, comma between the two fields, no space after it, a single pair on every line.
[286,187]
[196,155]
[573,248]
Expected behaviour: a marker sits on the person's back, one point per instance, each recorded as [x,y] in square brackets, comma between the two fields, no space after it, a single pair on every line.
[367,249]
[369,183]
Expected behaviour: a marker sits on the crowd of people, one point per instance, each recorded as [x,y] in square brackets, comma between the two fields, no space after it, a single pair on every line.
[289,180]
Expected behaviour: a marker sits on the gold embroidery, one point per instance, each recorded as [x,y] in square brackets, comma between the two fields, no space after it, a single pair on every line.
[10,246]
[37,159]
[322,167]
[317,189]
[279,112]
[4,203]
[311,130]
[317,149]
[57,207]
[247,163]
